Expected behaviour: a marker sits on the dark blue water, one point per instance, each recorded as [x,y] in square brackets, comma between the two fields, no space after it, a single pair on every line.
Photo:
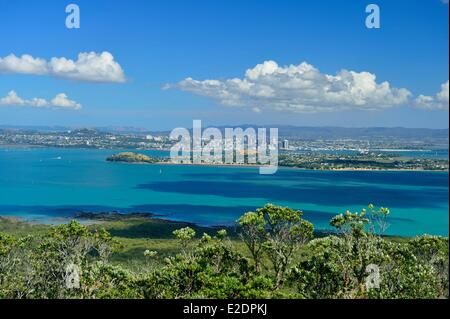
[49,185]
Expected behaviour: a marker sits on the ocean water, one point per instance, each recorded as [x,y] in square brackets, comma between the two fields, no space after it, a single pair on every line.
[49,185]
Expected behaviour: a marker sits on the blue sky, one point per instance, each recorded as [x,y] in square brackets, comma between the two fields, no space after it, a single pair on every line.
[167,41]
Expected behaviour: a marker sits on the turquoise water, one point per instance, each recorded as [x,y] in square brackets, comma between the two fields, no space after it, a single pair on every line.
[48,185]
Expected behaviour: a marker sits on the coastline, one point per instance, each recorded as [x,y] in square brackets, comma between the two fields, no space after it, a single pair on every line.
[233,165]
[102,218]
[346,169]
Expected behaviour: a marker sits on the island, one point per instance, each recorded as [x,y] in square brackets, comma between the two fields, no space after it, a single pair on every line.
[130,157]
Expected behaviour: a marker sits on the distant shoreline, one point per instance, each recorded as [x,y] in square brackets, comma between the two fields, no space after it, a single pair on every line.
[246,165]
[347,169]
[103,218]
[21,146]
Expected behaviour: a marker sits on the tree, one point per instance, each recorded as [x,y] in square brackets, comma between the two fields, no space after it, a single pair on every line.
[337,265]
[278,231]
[72,247]
[213,266]
[253,234]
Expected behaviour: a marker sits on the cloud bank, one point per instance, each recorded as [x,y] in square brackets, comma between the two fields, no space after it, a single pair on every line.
[89,67]
[60,101]
[437,102]
[299,88]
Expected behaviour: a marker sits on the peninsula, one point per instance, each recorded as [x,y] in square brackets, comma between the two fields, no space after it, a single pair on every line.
[130,157]
[315,161]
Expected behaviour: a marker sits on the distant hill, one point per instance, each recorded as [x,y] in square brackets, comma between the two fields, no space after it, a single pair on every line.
[284,131]
[329,133]
[370,132]
[31,128]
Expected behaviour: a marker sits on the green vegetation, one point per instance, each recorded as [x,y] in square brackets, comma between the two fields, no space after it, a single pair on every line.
[319,161]
[271,254]
[130,157]
[371,161]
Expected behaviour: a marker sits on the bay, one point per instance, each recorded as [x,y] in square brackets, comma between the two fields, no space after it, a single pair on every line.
[49,185]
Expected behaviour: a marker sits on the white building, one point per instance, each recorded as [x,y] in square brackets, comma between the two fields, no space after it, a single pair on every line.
[285,144]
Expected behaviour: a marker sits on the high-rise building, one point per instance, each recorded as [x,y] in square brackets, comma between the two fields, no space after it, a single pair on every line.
[285,144]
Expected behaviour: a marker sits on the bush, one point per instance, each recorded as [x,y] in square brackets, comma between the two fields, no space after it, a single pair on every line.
[283,261]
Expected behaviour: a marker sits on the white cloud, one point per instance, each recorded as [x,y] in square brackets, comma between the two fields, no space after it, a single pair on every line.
[299,88]
[26,64]
[436,102]
[90,67]
[60,101]
[37,102]
[12,99]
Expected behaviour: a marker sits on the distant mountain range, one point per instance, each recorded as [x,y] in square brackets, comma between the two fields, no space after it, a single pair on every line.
[370,132]
[284,131]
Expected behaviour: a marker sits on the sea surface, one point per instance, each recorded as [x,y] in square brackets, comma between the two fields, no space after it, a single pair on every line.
[49,185]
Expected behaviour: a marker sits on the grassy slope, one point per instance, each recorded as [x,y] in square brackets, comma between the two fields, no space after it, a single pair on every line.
[138,234]
[19,228]
[135,235]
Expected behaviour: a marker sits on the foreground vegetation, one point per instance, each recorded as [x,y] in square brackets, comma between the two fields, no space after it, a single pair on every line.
[272,254]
